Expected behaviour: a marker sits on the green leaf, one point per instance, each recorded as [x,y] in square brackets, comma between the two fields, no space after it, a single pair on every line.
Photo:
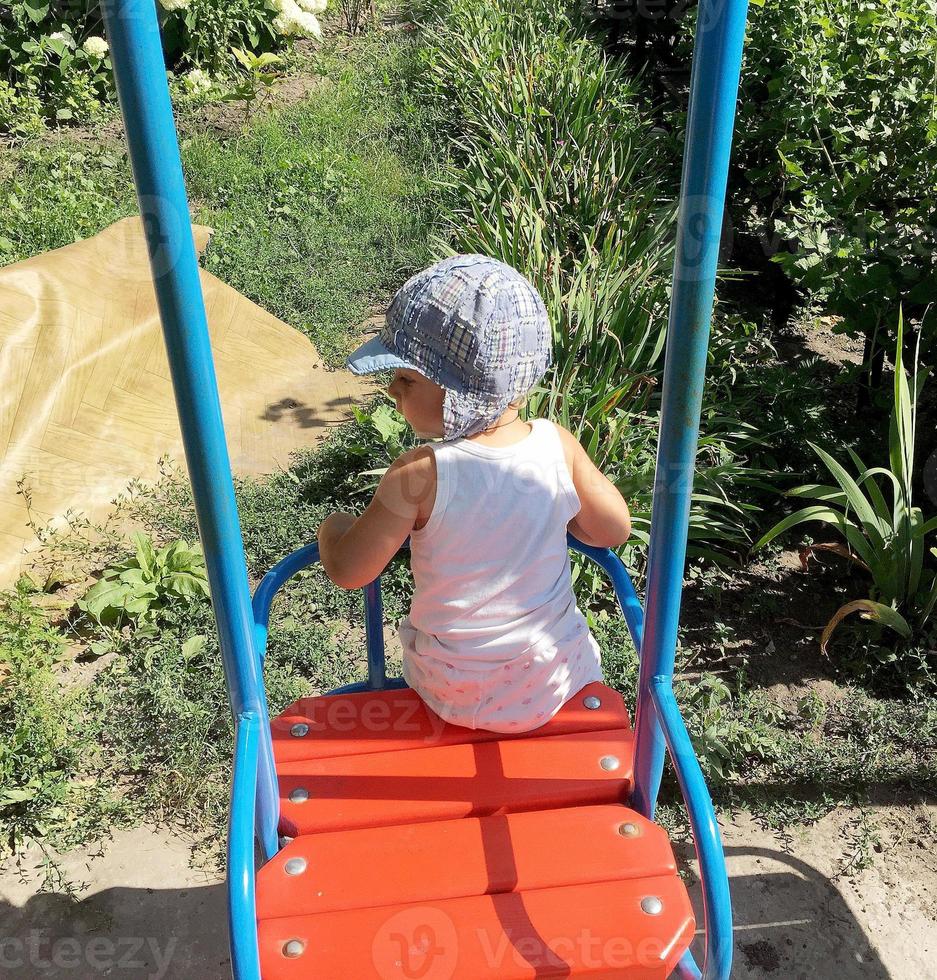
[145,553]
[868,609]
[187,584]
[193,646]
[36,10]
[856,498]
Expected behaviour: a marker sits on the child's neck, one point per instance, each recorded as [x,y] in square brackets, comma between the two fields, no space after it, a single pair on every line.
[507,430]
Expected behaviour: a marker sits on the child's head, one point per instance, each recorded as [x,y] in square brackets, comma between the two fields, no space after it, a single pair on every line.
[468,337]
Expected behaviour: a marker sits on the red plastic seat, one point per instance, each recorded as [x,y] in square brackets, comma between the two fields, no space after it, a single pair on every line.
[422,849]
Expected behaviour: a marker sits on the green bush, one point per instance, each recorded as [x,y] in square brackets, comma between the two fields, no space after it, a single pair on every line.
[53,57]
[837,140]
[555,174]
[51,70]
[46,747]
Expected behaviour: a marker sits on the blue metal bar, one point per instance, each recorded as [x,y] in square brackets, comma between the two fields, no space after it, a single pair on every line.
[359,687]
[374,631]
[284,570]
[270,584]
[687,968]
[628,600]
[140,74]
[713,93]
[717,904]
[242,910]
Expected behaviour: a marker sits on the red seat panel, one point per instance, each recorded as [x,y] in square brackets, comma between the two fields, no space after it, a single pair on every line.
[390,721]
[462,780]
[458,858]
[597,930]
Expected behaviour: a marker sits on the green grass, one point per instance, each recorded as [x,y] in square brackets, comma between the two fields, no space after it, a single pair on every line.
[320,209]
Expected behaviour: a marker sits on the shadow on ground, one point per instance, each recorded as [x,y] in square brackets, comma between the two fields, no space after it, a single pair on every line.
[119,933]
[145,916]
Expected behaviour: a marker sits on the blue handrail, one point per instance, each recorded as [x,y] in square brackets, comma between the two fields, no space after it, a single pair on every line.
[242,912]
[714,880]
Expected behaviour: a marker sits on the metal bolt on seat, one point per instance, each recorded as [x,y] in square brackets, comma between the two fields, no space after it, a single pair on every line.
[592,702]
[294,948]
[299,795]
[652,905]
[629,830]
[609,762]
[295,866]
[299,730]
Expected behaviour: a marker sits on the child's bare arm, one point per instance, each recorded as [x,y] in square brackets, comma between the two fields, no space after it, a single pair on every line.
[354,551]
[603,520]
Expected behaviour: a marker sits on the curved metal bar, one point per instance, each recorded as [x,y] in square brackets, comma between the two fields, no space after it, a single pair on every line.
[242,912]
[358,687]
[717,904]
[271,583]
[687,969]
[628,600]
[281,573]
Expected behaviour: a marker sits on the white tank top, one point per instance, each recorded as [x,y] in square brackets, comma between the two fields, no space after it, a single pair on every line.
[494,639]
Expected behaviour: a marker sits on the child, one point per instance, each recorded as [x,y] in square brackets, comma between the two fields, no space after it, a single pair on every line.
[494,639]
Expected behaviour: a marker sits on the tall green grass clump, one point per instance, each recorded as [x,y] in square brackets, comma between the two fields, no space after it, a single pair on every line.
[557,169]
[554,172]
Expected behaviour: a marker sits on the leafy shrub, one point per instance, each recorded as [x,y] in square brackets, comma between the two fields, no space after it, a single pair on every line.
[200,34]
[562,190]
[135,589]
[837,138]
[53,58]
[57,72]
[728,731]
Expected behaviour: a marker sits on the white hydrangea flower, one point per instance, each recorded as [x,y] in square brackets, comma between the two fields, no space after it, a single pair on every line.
[62,36]
[293,20]
[313,6]
[197,81]
[95,46]
[170,5]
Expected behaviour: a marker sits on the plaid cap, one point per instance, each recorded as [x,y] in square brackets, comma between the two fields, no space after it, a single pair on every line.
[476,327]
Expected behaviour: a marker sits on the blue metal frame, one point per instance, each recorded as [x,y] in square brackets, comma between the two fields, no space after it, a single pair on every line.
[717,59]
[717,912]
[140,73]
[136,54]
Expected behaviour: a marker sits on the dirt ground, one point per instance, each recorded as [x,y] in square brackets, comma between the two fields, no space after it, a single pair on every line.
[805,907]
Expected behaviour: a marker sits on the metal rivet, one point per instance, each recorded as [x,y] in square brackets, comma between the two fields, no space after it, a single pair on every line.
[609,762]
[284,840]
[295,866]
[294,948]
[299,730]
[299,795]
[629,830]
[592,702]
[652,905]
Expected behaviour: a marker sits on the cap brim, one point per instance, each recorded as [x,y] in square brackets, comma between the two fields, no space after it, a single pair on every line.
[374,356]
